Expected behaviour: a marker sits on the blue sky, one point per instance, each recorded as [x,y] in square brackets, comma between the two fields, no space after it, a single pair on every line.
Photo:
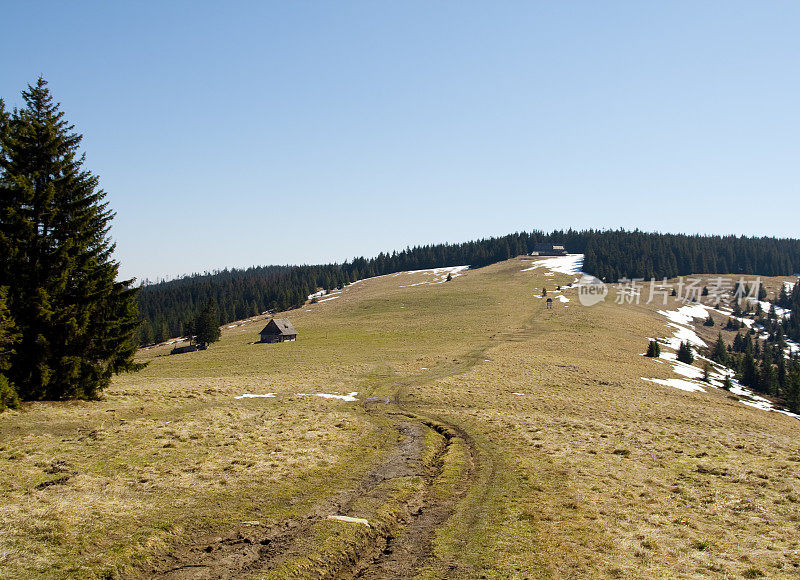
[234,134]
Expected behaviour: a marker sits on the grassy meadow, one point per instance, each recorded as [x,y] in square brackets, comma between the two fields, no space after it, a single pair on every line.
[570,465]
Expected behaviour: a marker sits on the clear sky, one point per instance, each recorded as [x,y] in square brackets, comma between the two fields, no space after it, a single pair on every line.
[246,133]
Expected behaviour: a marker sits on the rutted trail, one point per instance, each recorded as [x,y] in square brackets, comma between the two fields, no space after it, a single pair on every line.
[406,552]
[393,550]
[397,546]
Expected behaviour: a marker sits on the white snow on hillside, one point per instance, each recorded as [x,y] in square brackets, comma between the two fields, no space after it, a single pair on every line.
[569,264]
[439,275]
[766,306]
[322,293]
[683,334]
[682,321]
[681,384]
[686,314]
[348,397]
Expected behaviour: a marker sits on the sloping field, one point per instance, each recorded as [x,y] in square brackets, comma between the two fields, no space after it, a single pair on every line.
[466,431]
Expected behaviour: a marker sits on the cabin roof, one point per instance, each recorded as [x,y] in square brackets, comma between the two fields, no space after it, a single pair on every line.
[279,326]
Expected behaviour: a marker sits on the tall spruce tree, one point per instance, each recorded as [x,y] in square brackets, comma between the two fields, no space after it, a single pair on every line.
[76,322]
[206,326]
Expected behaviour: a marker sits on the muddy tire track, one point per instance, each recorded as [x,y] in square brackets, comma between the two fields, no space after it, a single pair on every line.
[251,546]
[412,547]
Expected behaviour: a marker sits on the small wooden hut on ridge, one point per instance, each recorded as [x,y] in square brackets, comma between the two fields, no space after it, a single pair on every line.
[278,330]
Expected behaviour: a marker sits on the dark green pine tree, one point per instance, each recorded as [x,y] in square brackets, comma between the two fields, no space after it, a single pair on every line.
[767,379]
[77,323]
[749,372]
[793,390]
[720,352]
[8,340]
[727,384]
[653,349]
[206,325]
[685,354]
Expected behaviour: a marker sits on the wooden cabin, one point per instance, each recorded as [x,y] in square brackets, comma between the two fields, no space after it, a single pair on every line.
[548,250]
[278,330]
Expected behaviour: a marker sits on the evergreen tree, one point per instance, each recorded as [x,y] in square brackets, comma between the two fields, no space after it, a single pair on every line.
[8,339]
[653,349]
[720,353]
[77,323]
[783,298]
[709,321]
[206,326]
[685,354]
[727,384]
[8,332]
[749,372]
[766,377]
[793,390]
[782,375]
[738,343]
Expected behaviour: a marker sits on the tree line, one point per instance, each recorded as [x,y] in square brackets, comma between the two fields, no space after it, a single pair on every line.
[167,308]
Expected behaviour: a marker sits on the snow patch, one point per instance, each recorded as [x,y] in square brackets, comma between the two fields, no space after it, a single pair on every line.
[348,397]
[766,306]
[251,396]
[681,384]
[686,314]
[569,264]
[683,334]
[439,275]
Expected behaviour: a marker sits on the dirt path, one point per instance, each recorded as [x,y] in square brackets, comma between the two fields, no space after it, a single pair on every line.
[411,548]
[252,547]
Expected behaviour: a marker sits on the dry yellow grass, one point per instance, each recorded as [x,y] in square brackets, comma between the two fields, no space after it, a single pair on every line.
[591,472]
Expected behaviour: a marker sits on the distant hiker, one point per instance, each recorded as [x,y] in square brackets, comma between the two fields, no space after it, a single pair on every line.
[549,303]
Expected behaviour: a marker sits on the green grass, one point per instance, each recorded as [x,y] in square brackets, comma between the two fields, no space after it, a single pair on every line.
[169,453]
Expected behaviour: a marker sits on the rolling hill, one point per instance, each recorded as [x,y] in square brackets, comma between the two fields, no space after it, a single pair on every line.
[417,428]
